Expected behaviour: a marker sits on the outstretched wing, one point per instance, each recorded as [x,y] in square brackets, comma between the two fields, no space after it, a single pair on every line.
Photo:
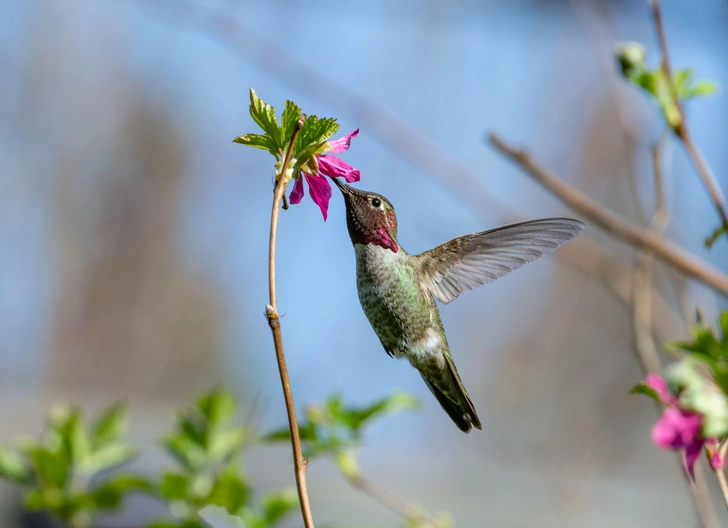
[469,261]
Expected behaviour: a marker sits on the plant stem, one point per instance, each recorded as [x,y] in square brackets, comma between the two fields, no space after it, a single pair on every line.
[711,184]
[271,312]
[398,505]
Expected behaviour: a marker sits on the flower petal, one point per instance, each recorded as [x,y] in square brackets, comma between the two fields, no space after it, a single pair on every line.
[342,144]
[297,192]
[692,452]
[659,385]
[716,461]
[676,429]
[334,167]
[320,190]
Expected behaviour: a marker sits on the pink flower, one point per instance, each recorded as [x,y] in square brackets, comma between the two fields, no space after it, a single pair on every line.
[659,385]
[681,429]
[330,166]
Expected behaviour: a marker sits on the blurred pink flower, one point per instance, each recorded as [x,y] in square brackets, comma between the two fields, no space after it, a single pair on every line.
[681,429]
[330,166]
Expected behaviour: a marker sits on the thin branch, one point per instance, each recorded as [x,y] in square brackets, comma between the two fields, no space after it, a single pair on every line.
[709,180]
[391,501]
[271,313]
[721,473]
[642,285]
[611,222]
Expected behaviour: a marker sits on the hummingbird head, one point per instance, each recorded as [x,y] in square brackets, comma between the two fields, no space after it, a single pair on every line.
[370,217]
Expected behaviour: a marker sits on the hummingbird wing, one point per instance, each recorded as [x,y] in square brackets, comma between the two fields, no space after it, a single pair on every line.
[466,262]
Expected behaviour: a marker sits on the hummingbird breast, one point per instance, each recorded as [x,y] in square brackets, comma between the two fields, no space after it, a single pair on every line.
[402,314]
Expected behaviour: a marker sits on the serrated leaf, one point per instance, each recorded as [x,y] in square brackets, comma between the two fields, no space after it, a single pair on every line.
[314,132]
[277,504]
[643,388]
[12,466]
[174,486]
[259,141]
[291,115]
[111,425]
[265,116]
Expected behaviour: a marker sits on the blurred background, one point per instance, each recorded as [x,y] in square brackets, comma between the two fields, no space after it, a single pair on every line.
[133,235]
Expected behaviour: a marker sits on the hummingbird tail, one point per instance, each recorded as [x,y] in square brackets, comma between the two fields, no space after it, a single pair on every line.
[454,399]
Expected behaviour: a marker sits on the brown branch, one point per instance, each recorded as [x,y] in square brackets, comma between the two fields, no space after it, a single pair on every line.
[271,312]
[634,235]
[709,180]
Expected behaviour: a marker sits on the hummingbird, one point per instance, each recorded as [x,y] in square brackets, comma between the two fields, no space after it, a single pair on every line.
[397,290]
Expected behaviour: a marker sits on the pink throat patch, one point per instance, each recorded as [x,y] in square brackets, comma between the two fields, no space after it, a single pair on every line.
[381,238]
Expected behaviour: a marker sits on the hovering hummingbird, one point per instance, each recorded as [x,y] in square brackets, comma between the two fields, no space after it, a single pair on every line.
[397,290]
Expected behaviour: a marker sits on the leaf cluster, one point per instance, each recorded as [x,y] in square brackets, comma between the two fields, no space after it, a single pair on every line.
[55,471]
[312,137]
[667,92]
[334,428]
[710,348]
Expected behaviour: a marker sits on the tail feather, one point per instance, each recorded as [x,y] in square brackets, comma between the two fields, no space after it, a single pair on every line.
[454,399]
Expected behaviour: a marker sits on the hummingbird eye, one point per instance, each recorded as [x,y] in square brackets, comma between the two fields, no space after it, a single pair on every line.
[376,202]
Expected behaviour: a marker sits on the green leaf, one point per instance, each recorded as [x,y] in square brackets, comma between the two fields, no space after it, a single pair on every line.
[229,492]
[109,456]
[217,406]
[643,388]
[704,88]
[265,116]
[75,436]
[259,141]
[715,235]
[111,425]
[224,444]
[174,486]
[187,453]
[314,132]
[110,494]
[291,115]
[356,418]
[53,469]
[12,466]
[278,504]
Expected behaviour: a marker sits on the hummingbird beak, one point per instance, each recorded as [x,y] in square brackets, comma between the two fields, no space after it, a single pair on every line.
[345,189]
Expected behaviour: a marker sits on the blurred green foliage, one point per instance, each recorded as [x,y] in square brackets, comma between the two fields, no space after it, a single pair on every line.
[65,473]
[56,470]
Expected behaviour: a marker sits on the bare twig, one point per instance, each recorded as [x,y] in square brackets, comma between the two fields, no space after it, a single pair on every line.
[666,251]
[642,286]
[709,180]
[271,313]
[721,473]
[391,501]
